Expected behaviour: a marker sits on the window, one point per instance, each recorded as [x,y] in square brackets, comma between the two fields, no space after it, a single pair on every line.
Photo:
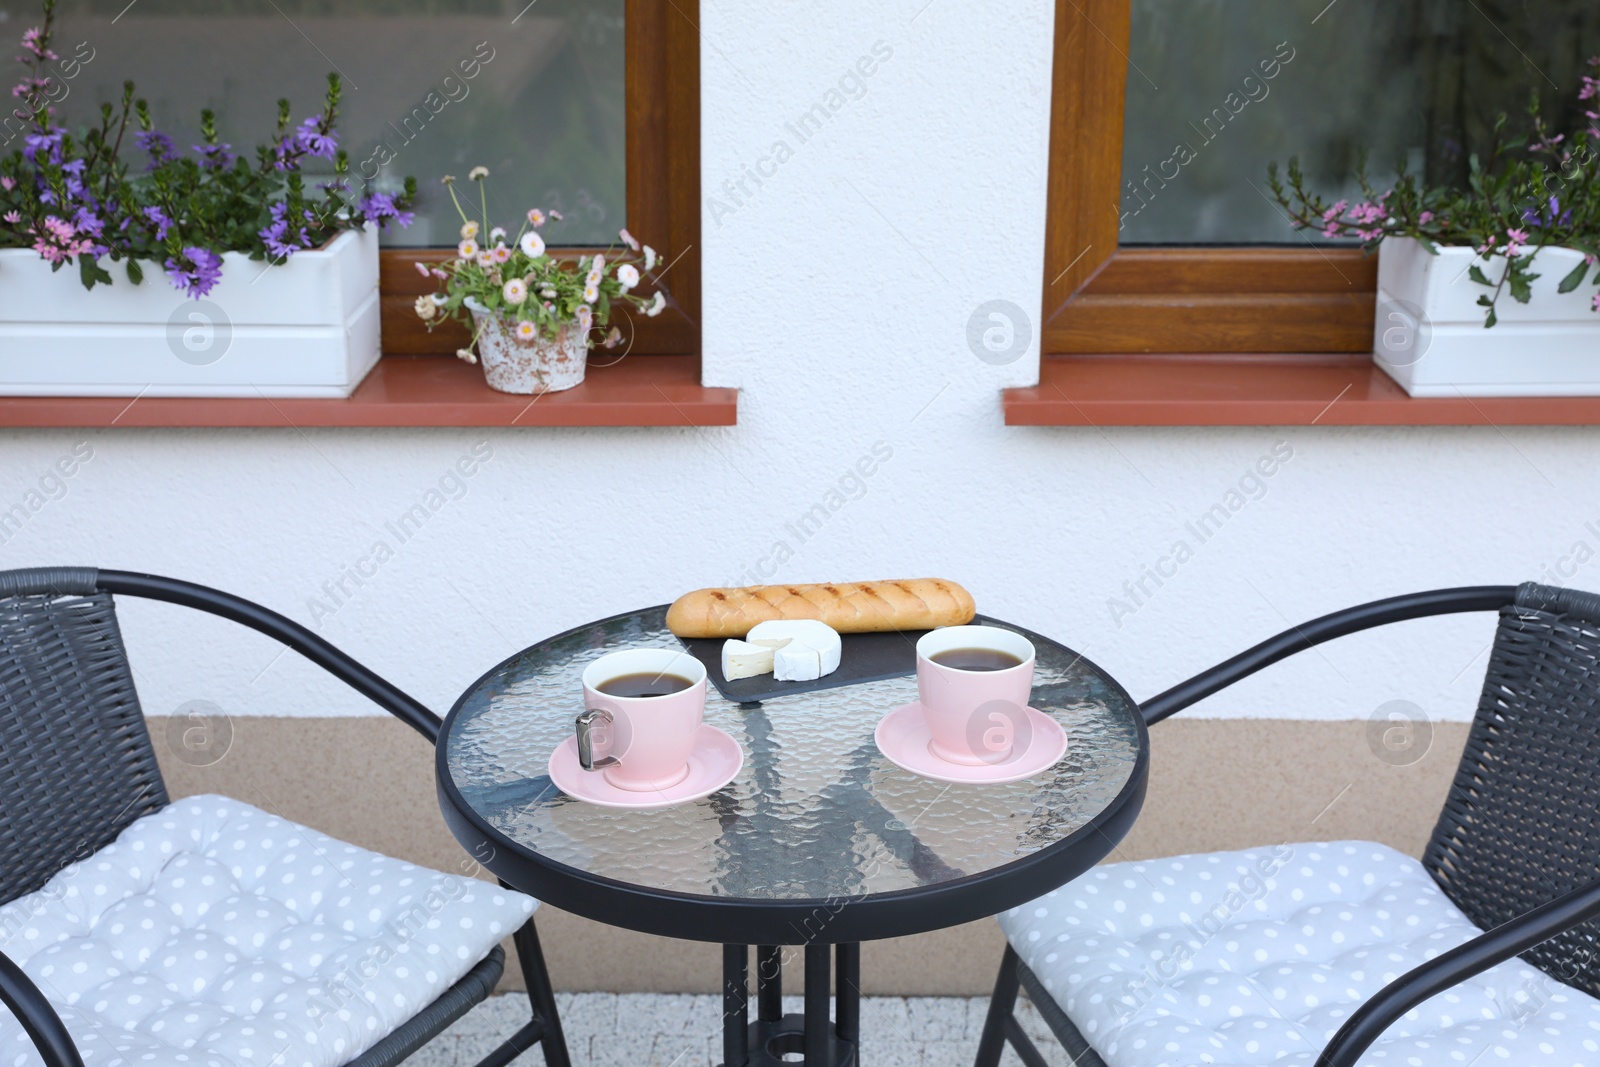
[1162,237]
[588,107]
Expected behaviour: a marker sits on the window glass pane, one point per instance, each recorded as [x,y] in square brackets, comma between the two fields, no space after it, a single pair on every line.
[1218,88]
[533,91]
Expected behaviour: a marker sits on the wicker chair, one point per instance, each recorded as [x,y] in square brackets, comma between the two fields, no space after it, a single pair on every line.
[1516,850]
[77,768]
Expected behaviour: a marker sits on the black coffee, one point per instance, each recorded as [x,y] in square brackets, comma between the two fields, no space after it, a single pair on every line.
[648,684]
[975,659]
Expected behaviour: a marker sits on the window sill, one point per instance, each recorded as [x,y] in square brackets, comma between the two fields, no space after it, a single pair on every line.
[421,391]
[1259,390]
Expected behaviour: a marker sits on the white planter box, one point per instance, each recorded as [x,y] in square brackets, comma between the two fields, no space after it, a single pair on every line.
[1429,334]
[306,328]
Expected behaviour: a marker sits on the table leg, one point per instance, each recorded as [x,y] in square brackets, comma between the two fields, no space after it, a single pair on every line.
[735,1005]
[847,992]
[769,983]
[819,1046]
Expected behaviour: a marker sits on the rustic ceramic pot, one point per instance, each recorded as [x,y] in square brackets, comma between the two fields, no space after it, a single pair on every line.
[543,364]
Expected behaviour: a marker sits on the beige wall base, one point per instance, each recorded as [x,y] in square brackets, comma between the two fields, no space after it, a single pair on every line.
[1214,784]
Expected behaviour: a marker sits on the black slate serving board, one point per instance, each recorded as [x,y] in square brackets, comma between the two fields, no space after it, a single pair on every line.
[862,658]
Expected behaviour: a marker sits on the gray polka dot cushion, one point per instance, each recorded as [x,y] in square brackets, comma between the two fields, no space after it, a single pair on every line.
[213,934]
[1258,957]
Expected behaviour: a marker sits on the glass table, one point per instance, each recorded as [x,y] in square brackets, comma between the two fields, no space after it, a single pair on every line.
[819,842]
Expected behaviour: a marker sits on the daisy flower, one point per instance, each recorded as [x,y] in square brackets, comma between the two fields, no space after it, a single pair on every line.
[629,239]
[657,302]
[485,258]
[467,248]
[613,338]
[440,299]
[466,354]
[628,275]
[649,258]
[585,317]
[558,216]
[598,265]
[477,174]
[548,294]
[426,308]
[497,234]
[535,217]
[532,245]
[469,230]
[515,291]
[591,292]
[501,253]
[526,331]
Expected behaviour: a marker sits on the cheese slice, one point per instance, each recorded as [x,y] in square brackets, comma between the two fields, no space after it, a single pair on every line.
[740,659]
[804,649]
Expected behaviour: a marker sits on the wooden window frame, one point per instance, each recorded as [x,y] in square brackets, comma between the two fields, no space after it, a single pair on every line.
[1105,300]
[662,49]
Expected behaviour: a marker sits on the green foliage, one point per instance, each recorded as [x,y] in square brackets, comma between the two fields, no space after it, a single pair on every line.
[79,197]
[1529,194]
[515,278]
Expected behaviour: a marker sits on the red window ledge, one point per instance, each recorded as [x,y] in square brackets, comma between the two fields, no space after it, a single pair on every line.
[421,391]
[1260,390]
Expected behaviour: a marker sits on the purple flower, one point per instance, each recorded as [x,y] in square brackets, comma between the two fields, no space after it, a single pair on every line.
[196,271]
[34,143]
[281,244]
[311,139]
[215,156]
[380,207]
[161,221]
[158,144]
[1552,216]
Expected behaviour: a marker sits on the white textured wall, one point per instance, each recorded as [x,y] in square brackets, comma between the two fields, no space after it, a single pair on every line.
[838,298]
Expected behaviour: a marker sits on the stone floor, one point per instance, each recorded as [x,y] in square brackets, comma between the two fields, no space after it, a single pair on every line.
[664,1030]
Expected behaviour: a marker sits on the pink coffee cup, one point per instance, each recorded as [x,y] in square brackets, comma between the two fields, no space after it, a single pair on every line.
[641,742]
[976,717]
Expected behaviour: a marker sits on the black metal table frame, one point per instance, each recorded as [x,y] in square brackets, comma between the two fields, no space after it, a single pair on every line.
[830,930]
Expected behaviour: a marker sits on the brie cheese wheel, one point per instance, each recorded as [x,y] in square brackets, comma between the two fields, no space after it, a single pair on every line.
[796,642]
[740,659]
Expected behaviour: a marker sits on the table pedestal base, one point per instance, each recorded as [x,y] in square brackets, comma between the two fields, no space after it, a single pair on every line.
[773,1038]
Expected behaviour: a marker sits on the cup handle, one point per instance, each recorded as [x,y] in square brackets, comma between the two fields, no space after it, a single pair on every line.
[585,723]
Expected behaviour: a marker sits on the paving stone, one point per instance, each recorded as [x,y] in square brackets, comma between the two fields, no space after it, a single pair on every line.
[937,1018]
[681,1030]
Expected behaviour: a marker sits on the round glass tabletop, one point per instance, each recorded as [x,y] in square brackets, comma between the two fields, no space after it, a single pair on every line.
[819,836]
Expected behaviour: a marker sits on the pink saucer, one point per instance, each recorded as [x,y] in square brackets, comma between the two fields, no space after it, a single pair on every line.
[714,762]
[903,737]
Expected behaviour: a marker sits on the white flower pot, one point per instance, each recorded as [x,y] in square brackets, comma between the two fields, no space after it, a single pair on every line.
[1429,334]
[304,328]
[543,364]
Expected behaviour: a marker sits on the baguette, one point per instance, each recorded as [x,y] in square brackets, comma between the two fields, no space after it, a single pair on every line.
[849,607]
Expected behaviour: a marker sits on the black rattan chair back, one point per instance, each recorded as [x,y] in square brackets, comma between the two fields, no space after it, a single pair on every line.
[76,765]
[1522,822]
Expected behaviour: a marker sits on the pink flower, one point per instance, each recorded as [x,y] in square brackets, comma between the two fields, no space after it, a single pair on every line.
[1424,218]
[7,184]
[422,269]
[1516,241]
[31,40]
[13,217]
[1335,211]
[535,217]
[629,239]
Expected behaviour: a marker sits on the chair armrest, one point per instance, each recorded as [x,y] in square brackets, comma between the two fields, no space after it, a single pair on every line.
[37,1017]
[1508,939]
[1315,632]
[379,690]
